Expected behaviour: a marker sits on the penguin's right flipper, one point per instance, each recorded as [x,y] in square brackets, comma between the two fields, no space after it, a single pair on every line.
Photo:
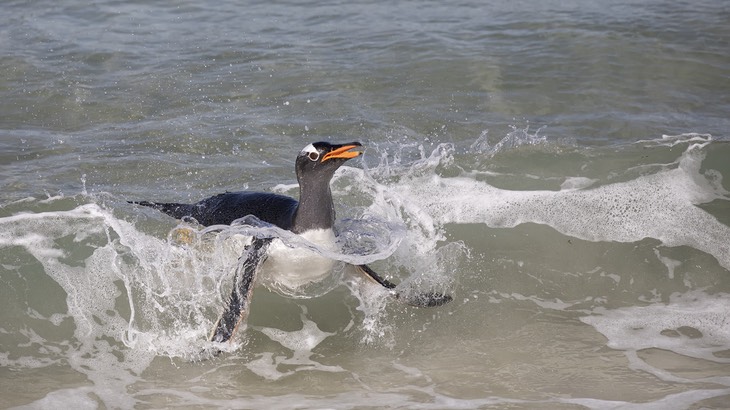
[365,269]
[430,299]
[236,310]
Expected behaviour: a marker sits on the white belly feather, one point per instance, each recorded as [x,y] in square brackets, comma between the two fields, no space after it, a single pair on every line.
[294,267]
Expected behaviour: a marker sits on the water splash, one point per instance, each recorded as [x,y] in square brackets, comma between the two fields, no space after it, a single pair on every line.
[92,292]
[518,137]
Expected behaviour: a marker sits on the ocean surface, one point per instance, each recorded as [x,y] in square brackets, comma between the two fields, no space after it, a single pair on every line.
[561,168]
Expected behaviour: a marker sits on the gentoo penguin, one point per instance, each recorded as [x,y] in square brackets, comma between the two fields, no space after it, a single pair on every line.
[312,217]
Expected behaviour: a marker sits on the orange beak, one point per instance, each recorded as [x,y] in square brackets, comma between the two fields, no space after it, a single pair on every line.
[343,152]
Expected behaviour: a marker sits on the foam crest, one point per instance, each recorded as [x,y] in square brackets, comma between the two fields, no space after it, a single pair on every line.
[660,205]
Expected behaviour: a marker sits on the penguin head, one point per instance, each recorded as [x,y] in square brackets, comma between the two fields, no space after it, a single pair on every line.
[320,160]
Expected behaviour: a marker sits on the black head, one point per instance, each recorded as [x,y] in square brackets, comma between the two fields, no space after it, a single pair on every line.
[315,166]
[319,160]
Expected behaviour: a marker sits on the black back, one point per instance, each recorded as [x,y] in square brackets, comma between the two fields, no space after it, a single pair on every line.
[223,209]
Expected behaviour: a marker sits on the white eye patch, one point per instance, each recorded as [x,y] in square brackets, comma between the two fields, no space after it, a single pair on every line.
[311,152]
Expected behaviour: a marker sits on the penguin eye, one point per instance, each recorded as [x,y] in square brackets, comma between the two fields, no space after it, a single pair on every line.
[314,156]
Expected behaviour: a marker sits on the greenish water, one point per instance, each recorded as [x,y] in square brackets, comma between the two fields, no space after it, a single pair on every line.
[560,168]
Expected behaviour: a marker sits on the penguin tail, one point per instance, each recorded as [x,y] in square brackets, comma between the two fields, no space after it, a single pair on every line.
[177,211]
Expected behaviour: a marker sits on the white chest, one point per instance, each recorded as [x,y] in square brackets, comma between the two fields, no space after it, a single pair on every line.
[291,268]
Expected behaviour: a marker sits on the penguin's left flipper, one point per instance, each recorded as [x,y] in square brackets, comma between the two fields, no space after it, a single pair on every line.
[430,299]
[236,310]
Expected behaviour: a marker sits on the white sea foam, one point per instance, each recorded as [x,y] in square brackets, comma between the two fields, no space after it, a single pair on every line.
[300,343]
[175,291]
[692,324]
[681,400]
[660,205]
[576,183]
[91,293]
[77,398]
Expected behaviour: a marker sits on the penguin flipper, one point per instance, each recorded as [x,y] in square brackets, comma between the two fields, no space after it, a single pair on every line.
[428,299]
[365,269]
[236,310]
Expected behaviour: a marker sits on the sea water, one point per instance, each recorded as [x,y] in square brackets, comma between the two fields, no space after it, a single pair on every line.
[559,168]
